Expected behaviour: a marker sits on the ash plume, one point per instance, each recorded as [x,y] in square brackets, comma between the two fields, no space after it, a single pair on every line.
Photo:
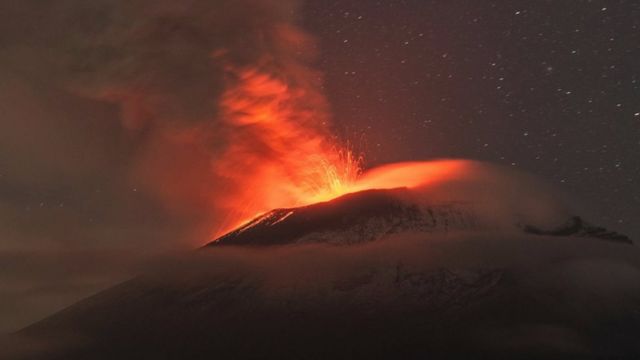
[206,93]
[128,127]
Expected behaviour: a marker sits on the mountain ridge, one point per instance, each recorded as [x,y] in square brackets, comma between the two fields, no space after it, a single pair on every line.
[373,214]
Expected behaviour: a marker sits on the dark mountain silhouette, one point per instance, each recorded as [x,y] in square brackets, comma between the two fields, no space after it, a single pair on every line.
[358,301]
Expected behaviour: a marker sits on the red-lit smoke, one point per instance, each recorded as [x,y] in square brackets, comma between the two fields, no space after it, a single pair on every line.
[222,106]
[223,114]
[279,153]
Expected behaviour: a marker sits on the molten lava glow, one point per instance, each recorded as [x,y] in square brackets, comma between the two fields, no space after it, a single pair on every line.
[280,153]
[279,146]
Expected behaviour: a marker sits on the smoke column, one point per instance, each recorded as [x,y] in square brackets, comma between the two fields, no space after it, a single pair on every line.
[268,144]
[218,99]
[134,127]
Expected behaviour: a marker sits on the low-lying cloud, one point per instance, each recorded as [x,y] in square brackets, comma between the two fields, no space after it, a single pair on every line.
[572,288]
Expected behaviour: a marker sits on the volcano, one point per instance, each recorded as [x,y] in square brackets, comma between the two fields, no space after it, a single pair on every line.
[375,214]
[373,274]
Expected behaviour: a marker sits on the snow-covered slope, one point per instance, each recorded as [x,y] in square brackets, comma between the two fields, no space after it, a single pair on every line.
[374,214]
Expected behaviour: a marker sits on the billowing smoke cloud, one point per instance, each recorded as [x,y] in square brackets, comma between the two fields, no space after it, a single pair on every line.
[206,92]
[136,126]
[501,196]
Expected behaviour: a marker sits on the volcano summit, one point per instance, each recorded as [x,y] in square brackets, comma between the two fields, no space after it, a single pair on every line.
[372,215]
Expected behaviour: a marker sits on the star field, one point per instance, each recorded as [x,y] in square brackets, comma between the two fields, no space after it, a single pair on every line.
[550,87]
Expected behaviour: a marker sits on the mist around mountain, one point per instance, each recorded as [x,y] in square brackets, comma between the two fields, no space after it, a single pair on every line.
[377,274]
[408,295]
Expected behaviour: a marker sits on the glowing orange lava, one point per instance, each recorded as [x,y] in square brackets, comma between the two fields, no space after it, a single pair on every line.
[280,154]
[279,146]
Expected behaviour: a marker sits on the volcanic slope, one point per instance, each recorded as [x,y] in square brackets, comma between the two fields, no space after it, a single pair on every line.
[375,214]
[375,274]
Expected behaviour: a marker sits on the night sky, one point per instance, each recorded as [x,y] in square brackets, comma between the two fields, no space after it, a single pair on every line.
[103,103]
[550,87]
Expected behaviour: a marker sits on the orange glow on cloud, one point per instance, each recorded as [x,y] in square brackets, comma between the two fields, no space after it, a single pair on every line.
[279,147]
[410,174]
[279,152]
